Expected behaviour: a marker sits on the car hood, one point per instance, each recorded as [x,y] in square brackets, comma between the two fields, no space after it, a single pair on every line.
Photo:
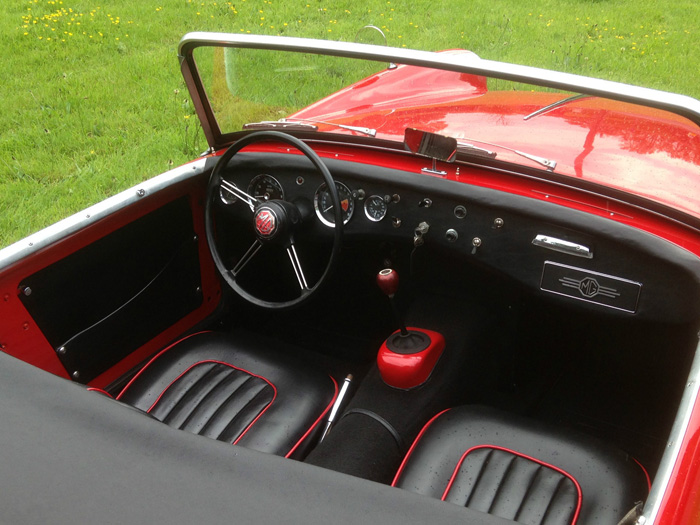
[641,150]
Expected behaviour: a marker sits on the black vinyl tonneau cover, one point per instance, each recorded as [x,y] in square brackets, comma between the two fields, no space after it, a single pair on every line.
[73,456]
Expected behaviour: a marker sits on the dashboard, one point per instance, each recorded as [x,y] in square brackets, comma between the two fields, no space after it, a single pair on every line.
[564,255]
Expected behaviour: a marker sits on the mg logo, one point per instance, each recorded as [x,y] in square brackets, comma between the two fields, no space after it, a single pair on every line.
[589,287]
[265,222]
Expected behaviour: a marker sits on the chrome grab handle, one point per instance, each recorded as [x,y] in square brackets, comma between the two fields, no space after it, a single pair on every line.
[560,245]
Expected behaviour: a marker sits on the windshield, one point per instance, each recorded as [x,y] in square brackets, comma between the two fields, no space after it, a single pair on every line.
[628,146]
[252,85]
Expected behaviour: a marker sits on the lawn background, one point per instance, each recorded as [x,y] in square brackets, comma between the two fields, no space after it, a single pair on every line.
[92,100]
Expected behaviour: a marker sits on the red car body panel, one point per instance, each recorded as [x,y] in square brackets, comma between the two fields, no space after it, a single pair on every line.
[647,152]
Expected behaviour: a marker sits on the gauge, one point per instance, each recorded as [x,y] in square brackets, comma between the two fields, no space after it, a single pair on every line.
[375,208]
[323,204]
[265,188]
[226,195]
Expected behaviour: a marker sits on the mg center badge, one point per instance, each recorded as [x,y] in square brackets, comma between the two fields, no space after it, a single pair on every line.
[265,223]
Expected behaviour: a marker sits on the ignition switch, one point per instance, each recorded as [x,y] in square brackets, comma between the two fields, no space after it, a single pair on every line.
[419,232]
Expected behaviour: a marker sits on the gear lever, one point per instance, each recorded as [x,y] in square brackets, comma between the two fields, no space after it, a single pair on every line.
[404,341]
[408,356]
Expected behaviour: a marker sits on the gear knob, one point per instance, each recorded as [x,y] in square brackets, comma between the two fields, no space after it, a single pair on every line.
[388,281]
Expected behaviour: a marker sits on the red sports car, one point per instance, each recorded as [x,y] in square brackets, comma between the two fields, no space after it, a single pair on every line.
[399,287]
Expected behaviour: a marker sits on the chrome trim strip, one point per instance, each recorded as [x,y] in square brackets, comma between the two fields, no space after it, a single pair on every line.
[673,446]
[560,245]
[62,229]
[463,63]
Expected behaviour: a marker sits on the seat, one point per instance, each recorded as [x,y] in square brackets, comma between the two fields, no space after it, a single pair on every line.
[243,390]
[521,470]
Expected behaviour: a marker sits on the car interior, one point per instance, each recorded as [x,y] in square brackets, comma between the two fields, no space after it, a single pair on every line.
[512,355]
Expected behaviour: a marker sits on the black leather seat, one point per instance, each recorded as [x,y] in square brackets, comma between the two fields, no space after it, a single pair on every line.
[521,470]
[242,390]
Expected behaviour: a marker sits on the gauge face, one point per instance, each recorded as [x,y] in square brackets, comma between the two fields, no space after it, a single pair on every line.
[375,208]
[323,204]
[265,188]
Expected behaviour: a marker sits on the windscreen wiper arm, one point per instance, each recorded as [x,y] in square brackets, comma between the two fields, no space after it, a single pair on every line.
[465,147]
[365,131]
[555,105]
[278,124]
[305,124]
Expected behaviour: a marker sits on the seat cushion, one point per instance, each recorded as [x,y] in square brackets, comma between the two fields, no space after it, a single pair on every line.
[521,470]
[242,389]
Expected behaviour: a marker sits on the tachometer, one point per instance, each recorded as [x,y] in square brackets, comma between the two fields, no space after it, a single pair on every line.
[323,204]
[265,188]
[375,208]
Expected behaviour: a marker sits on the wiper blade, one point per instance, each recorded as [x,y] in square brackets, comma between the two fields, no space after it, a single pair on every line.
[465,147]
[358,129]
[278,124]
[555,105]
[305,124]
[547,163]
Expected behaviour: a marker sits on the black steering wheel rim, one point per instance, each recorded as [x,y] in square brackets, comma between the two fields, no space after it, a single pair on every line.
[213,194]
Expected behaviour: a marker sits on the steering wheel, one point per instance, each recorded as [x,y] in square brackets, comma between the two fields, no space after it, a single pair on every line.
[274,222]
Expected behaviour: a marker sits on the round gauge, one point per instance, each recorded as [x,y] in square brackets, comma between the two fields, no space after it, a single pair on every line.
[375,208]
[265,188]
[323,204]
[226,195]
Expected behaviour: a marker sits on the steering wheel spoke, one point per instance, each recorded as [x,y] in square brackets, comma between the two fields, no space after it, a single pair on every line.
[247,256]
[296,264]
[235,190]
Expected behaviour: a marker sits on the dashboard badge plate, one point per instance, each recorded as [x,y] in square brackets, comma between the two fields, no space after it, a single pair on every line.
[593,287]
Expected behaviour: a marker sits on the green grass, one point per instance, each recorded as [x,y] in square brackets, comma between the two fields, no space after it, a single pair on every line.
[93,102]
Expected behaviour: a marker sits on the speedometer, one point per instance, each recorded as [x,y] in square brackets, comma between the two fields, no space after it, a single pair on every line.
[323,204]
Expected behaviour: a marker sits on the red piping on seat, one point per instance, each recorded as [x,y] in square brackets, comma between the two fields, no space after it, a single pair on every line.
[495,447]
[413,446]
[235,368]
[95,389]
[218,363]
[643,470]
[154,358]
[306,434]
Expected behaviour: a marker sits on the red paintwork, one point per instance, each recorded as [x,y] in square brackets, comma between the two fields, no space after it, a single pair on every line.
[641,150]
[405,87]
[406,371]
[23,338]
